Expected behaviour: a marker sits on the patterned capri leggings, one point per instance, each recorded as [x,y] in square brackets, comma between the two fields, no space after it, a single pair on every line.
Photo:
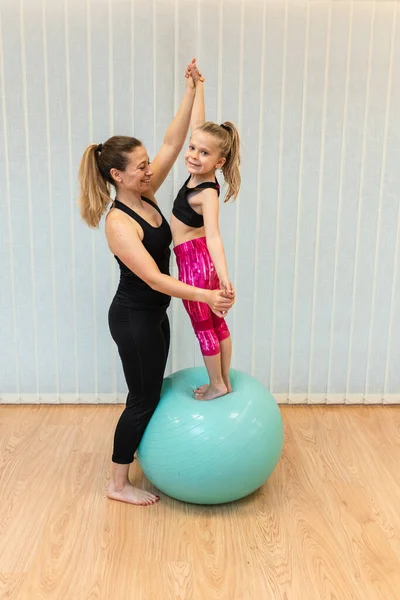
[196,268]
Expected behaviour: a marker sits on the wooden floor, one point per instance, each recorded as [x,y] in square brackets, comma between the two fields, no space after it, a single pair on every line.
[326,524]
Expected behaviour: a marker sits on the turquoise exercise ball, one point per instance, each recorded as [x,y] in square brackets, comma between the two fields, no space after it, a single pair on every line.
[215,451]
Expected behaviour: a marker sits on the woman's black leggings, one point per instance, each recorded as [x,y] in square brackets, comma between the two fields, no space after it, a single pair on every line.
[142,337]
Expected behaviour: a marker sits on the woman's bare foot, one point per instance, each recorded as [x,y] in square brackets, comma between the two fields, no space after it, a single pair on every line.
[132,495]
[211,392]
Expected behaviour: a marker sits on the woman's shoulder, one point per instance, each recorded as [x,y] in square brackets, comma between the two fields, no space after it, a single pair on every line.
[117,223]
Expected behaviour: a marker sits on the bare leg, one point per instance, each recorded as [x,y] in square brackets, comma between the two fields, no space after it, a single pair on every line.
[120,488]
[226,354]
[217,386]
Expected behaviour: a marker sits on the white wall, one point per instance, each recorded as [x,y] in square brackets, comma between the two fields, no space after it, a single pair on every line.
[312,242]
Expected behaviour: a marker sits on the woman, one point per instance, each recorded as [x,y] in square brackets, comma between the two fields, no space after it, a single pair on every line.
[139,237]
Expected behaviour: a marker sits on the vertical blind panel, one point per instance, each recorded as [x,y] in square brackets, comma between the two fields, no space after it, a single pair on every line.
[18,200]
[274,61]
[9,381]
[288,193]
[311,150]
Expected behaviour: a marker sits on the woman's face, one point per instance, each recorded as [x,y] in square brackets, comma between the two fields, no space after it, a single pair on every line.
[137,174]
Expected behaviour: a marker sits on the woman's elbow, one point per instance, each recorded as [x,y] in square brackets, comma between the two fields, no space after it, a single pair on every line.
[153,280]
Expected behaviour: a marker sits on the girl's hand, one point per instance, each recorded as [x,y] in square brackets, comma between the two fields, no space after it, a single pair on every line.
[192,74]
[227,288]
[218,303]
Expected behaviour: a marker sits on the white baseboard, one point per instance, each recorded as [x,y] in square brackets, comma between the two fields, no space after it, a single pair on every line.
[298,398]
[337,399]
[62,399]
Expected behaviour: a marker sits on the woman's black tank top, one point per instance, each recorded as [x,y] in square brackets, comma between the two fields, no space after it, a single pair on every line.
[132,291]
[182,209]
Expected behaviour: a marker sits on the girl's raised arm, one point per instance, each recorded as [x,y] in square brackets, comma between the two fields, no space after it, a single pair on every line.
[198,112]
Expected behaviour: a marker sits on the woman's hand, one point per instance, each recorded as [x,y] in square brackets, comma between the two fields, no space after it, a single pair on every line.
[218,303]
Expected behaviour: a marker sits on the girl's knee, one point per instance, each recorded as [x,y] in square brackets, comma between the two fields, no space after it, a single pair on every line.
[209,342]
[222,331]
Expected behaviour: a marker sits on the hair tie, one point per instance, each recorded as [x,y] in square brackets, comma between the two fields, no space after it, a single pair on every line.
[224,127]
[99,148]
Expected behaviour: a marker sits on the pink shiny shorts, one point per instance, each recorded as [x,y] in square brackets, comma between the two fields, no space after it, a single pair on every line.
[197,268]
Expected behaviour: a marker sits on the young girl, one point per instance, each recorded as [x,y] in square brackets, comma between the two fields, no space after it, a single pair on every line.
[197,241]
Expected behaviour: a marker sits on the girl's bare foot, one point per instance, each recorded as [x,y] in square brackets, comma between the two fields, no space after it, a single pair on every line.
[228,385]
[132,495]
[202,388]
[211,392]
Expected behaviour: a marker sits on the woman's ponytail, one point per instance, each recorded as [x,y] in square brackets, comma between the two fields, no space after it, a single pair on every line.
[94,189]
